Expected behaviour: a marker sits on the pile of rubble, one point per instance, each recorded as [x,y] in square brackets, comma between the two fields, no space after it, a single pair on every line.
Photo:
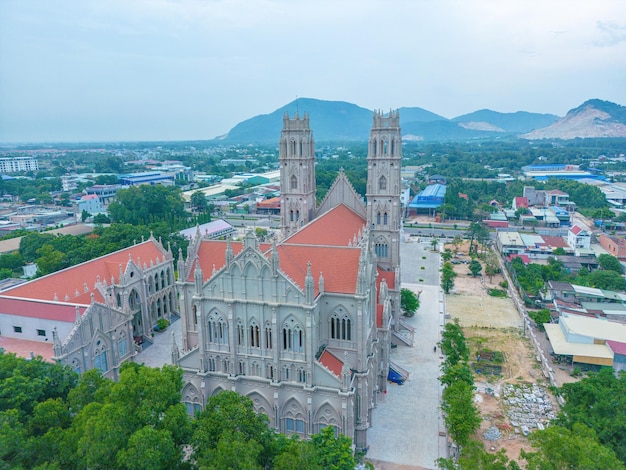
[528,407]
[492,434]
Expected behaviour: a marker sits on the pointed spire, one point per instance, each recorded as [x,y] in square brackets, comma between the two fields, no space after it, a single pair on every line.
[78,317]
[274,258]
[57,346]
[198,277]
[320,283]
[229,253]
[309,284]
[175,351]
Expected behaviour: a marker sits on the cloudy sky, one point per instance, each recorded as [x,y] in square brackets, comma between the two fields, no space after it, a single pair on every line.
[107,70]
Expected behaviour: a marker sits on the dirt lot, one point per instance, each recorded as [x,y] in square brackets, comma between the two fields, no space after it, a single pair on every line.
[493,324]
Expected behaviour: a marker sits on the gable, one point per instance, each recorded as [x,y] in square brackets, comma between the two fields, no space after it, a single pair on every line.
[342,192]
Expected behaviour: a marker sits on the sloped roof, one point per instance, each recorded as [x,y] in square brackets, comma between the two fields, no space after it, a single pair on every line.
[24,348]
[331,362]
[34,308]
[336,227]
[338,265]
[576,229]
[63,286]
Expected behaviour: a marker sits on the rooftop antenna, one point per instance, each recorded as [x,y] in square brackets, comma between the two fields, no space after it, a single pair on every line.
[297,110]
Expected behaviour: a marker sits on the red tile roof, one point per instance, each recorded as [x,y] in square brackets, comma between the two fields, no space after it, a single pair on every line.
[330,361]
[212,253]
[576,229]
[39,309]
[555,242]
[337,227]
[24,348]
[521,201]
[76,284]
[389,276]
[338,265]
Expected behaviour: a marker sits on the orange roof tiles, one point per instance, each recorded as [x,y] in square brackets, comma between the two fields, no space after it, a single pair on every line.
[337,227]
[338,265]
[331,362]
[389,276]
[39,309]
[24,348]
[63,286]
[212,253]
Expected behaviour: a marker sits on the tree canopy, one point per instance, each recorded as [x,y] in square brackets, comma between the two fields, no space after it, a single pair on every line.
[52,418]
[409,302]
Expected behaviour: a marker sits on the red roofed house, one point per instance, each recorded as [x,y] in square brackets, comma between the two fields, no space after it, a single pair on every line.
[578,237]
[302,326]
[520,202]
[92,312]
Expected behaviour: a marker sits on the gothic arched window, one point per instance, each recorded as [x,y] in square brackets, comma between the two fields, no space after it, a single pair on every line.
[254,336]
[268,335]
[293,183]
[341,327]
[293,337]
[385,219]
[240,334]
[382,183]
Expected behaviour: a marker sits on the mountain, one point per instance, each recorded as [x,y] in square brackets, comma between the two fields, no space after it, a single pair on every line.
[593,118]
[518,122]
[341,121]
[330,120]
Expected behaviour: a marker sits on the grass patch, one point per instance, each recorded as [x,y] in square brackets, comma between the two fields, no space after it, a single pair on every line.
[497,293]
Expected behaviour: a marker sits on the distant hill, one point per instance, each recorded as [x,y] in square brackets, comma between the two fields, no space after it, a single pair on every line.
[330,120]
[593,118]
[518,122]
[341,121]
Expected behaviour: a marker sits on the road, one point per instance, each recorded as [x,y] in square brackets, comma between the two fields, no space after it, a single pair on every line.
[407,427]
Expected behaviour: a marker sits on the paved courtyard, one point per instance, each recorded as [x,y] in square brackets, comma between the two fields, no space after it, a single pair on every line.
[407,422]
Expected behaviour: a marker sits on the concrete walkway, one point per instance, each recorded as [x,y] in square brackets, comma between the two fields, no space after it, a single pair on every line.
[160,352]
[407,422]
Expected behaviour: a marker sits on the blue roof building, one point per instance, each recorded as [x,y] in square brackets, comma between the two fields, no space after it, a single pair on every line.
[430,198]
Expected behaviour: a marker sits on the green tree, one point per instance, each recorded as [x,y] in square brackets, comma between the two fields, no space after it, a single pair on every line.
[333,453]
[142,205]
[476,232]
[101,219]
[562,448]
[230,416]
[297,454]
[599,402]
[447,277]
[610,263]
[453,344]
[198,201]
[461,416]
[84,215]
[446,255]
[409,302]
[540,317]
[434,243]
[601,279]
[475,267]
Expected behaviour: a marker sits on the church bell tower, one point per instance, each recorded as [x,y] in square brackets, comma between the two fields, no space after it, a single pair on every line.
[296,156]
[384,160]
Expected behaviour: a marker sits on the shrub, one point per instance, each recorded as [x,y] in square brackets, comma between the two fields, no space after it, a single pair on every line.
[162,324]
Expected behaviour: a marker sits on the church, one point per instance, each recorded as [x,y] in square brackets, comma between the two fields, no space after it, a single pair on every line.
[301,326]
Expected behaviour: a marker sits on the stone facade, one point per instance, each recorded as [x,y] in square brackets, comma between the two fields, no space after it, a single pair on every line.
[301,326]
[97,311]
